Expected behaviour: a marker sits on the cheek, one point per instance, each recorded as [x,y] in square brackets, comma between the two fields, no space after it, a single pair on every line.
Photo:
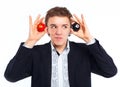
[67,33]
[50,33]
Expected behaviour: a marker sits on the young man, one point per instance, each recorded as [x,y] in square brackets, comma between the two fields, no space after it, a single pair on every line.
[60,63]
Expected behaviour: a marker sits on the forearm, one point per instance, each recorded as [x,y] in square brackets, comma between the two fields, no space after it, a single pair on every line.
[101,62]
[30,43]
[20,66]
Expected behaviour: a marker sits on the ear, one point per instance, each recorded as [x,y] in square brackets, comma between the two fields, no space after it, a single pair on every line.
[47,31]
[70,32]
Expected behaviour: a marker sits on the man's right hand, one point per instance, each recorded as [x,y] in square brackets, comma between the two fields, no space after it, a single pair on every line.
[34,34]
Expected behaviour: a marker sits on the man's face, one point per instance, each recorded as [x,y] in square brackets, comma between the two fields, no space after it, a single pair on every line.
[59,30]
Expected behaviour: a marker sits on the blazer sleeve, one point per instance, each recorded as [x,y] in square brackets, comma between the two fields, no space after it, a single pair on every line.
[20,66]
[101,62]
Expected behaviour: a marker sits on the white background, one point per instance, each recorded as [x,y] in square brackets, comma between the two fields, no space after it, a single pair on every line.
[102,17]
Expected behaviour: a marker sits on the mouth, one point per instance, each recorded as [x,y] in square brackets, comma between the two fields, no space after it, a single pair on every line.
[58,38]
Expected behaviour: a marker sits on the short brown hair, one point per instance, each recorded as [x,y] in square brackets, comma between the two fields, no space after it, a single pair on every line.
[58,11]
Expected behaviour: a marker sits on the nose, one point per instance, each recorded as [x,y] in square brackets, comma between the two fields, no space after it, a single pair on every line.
[58,31]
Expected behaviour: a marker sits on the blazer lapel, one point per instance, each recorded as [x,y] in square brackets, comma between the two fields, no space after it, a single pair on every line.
[71,65]
[48,63]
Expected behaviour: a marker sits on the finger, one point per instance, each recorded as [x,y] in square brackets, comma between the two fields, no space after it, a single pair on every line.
[37,20]
[30,22]
[77,18]
[83,20]
[41,20]
[72,19]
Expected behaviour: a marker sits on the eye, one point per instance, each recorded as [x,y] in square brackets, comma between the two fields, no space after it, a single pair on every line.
[65,26]
[53,26]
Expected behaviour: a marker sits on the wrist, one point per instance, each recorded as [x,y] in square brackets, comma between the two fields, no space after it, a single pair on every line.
[29,43]
[88,39]
[92,41]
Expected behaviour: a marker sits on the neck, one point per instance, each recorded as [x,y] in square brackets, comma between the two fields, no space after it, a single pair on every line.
[60,48]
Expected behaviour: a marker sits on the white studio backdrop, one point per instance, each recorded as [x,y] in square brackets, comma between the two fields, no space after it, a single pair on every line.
[102,17]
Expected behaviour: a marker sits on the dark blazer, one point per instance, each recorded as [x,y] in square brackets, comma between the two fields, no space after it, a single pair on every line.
[82,60]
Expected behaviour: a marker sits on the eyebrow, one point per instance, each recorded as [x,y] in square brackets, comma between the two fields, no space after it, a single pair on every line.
[66,24]
[62,24]
[52,24]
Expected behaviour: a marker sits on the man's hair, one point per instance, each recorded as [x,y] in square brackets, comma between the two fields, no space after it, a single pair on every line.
[57,11]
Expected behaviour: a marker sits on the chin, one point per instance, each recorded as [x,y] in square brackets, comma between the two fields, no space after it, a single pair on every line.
[59,43]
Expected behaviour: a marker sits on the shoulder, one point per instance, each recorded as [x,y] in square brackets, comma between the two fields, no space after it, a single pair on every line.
[42,46]
[76,44]
[78,47]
